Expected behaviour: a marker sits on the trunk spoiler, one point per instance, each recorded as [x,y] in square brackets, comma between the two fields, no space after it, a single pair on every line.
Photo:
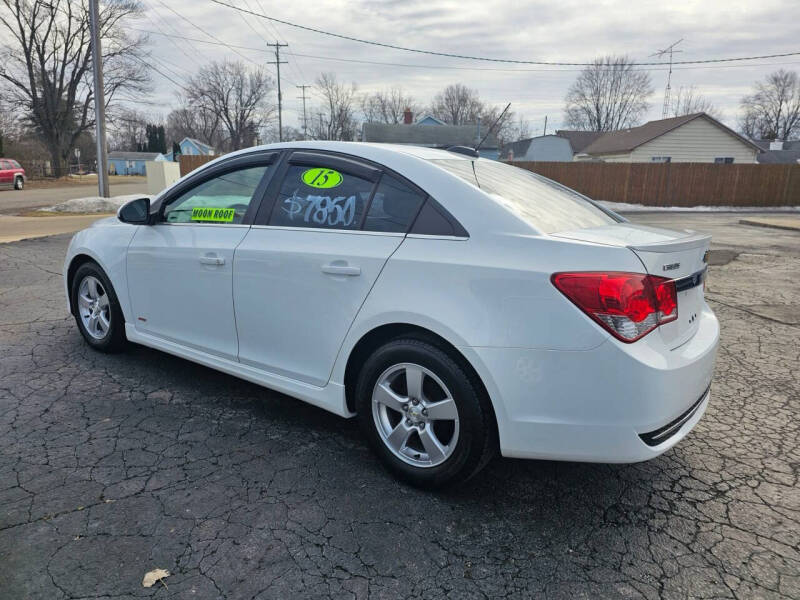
[693,240]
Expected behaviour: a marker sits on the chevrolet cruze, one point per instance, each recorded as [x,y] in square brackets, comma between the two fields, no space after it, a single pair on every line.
[455,305]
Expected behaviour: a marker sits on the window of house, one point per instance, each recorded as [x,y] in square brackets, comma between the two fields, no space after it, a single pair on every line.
[724,160]
[661,159]
[222,199]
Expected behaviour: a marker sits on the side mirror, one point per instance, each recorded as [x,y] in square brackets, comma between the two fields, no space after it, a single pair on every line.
[135,212]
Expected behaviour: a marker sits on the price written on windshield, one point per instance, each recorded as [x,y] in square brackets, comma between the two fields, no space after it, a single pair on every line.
[321,210]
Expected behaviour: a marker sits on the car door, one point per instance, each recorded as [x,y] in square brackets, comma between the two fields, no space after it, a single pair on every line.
[6,176]
[307,264]
[180,269]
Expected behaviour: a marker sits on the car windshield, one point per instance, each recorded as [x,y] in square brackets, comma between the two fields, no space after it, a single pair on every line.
[543,204]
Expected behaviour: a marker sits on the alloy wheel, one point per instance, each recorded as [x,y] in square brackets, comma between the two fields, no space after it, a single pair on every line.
[94,307]
[415,414]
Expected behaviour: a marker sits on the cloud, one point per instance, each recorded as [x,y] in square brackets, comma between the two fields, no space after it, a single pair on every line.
[568,31]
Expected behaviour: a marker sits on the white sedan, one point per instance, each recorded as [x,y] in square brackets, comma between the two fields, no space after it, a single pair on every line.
[455,305]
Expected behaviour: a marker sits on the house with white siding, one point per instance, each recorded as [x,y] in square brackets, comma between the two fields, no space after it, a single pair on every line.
[695,138]
[543,148]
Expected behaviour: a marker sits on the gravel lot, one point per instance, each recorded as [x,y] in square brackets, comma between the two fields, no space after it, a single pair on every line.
[111,466]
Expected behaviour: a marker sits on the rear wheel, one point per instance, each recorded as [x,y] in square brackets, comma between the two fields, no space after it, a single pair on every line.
[97,311]
[19,183]
[423,414]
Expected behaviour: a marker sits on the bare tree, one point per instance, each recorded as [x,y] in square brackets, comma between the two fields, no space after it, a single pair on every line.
[197,122]
[457,105]
[129,130]
[387,106]
[236,96]
[335,119]
[608,95]
[507,129]
[688,101]
[773,110]
[47,65]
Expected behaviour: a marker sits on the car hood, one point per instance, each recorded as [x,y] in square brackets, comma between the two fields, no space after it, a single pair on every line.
[107,222]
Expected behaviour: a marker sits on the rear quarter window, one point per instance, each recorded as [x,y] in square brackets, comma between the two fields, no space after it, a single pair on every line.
[543,204]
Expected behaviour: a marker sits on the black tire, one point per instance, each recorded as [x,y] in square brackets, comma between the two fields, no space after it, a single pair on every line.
[19,183]
[477,439]
[114,339]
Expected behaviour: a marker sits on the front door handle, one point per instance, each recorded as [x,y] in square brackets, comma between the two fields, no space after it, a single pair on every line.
[212,259]
[341,268]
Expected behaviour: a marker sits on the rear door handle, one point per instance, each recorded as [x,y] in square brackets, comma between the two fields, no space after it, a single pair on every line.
[211,259]
[337,268]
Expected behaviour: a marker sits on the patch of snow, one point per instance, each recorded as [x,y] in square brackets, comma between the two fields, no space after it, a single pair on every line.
[625,207]
[92,204]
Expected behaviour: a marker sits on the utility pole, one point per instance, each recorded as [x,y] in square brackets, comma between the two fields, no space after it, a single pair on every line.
[545,125]
[659,53]
[99,99]
[305,121]
[278,62]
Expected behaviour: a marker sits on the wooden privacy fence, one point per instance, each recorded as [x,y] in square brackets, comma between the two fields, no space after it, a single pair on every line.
[677,184]
[189,162]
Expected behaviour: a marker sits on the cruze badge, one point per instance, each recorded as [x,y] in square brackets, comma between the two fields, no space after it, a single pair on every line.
[671,266]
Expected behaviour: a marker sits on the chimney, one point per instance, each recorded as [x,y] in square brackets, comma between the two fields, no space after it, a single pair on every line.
[408,116]
[776,145]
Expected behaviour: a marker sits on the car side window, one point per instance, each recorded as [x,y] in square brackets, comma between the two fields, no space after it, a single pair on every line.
[5,165]
[319,197]
[393,207]
[222,199]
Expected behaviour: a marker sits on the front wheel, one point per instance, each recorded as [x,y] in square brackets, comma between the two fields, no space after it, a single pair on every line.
[97,311]
[19,183]
[423,414]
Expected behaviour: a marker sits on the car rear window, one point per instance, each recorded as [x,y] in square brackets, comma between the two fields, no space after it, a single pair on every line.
[545,205]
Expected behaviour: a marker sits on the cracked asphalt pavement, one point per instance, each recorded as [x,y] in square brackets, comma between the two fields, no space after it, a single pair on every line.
[113,465]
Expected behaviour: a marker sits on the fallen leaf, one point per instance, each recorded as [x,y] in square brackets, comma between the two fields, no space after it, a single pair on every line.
[152,576]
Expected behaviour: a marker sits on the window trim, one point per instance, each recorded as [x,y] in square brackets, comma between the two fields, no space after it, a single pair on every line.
[236,163]
[269,202]
[348,165]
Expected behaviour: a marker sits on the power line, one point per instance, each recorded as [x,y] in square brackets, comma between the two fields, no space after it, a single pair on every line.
[154,12]
[482,58]
[159,71]
[457,68]
[193,24]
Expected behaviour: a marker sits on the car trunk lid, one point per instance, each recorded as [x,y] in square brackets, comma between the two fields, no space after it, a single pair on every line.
[678,255]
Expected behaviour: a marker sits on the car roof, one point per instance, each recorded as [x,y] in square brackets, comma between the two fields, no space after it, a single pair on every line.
[473,208]
[362,149]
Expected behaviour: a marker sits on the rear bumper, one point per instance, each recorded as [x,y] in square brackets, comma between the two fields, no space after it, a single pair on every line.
[614,403]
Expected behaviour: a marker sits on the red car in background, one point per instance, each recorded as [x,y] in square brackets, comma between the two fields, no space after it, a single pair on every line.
[11,174]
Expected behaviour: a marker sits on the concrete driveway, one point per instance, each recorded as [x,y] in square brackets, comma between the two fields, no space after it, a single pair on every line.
[113,465]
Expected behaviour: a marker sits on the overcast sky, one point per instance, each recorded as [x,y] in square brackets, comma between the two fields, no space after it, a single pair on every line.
[566,31]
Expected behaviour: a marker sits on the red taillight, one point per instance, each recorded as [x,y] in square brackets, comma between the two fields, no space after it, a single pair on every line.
[629,305]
